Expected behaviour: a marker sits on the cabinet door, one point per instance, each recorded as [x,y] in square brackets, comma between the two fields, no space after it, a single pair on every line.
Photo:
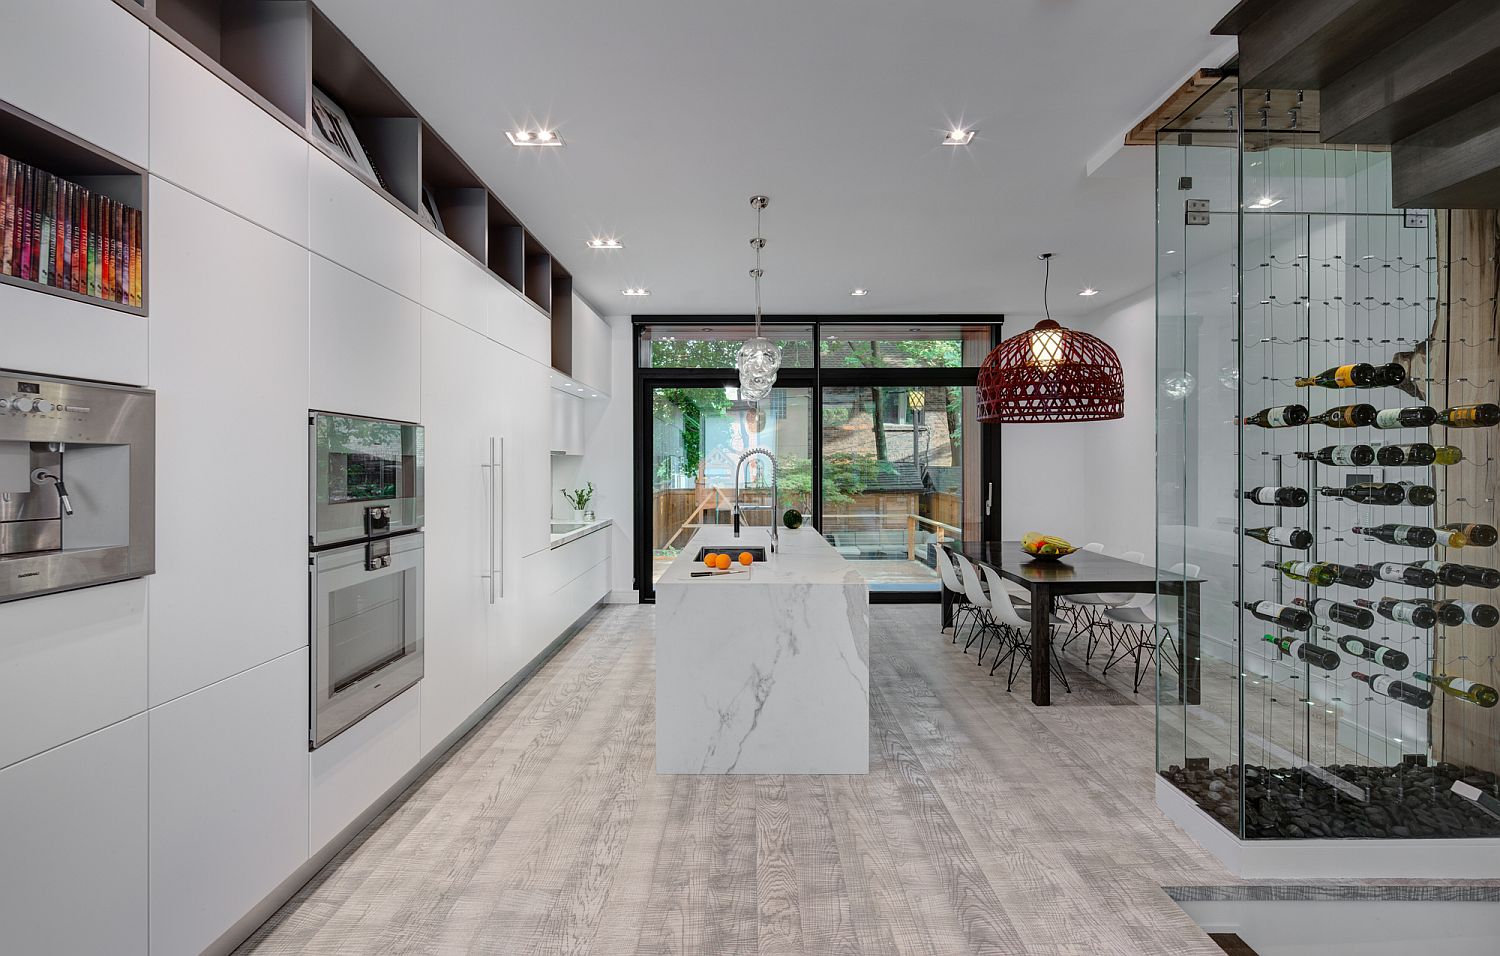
[522,401]
[454,380]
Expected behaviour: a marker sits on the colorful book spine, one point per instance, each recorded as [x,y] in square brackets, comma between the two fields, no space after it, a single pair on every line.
[7,214]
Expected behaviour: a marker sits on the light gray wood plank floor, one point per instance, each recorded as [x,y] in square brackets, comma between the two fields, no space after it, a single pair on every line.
[985,825]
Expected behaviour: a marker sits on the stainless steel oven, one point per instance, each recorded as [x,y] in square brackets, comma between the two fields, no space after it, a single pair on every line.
[366,477]
[364,521]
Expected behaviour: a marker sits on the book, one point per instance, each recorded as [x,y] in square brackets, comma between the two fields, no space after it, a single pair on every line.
[117,288]
[93,265]
[59,235]
[45,205]
[7,215]
[24,224]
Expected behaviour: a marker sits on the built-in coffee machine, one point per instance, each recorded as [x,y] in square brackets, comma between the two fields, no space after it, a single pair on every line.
[77,484]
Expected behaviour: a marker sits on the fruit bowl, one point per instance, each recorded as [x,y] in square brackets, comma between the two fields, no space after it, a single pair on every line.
[1045,547]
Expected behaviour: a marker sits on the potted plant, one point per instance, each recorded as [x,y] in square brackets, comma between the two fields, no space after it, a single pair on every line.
[580,499]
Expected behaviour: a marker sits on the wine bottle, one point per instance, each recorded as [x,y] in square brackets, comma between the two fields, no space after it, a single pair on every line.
[1325,657]
[1355,575]
[1377,653]
[1464,689]
[1402,612]
[1410,453]
[1391,456]
[1291,618]
[1412,416]
[1419,495]
[1283,536]
[1317,573]
[1280,416]
[1448,613]
[1478,535]
[1482,415]
[1398,690]
[1346,416]
[1413,536]
[1340,455]
[1467,612]
[1368,493]
[1450,537]
[1389,374]
[1448,455]
[1450,575]
[1282,496]
[1337,613]
[1413,575]
[1479,577]
[1358,375]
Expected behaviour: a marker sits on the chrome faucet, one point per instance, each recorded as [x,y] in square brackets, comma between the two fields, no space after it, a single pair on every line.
[775,491]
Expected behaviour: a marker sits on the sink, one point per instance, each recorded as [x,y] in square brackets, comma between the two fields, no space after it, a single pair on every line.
[756,554]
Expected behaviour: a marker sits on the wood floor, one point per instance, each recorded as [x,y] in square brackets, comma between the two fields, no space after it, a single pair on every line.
[986,825]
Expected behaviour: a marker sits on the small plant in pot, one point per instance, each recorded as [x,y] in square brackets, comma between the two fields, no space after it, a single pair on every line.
[580,499]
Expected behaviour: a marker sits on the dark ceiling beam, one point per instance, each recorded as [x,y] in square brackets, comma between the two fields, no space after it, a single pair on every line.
[1454,164]
[1422,78]
[1309,43]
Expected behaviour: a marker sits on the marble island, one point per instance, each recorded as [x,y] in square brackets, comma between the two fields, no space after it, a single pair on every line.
[765,670]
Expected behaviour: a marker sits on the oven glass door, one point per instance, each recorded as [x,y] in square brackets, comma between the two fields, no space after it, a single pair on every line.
[360,465]
[367,630]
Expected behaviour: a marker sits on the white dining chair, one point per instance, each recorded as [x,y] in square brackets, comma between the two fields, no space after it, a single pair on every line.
[1090,609]
[954,585]
[1078,614]
[1014,625]
[1141,620]
[978,599]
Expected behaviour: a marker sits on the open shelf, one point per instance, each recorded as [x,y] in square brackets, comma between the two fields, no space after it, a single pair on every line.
[460,198]
[506,255]
[562,319]
[386,125]
[32,140]
[262,42]
[538,287]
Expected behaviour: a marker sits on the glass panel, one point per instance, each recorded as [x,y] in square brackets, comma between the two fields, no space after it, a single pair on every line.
[893,346]
[366,627]
[698,435]
[715,346]
[894,478]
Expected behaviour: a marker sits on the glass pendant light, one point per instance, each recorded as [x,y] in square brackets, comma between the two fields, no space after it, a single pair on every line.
[759,358]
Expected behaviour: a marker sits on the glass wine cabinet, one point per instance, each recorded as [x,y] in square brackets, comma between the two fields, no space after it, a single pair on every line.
[1325,392]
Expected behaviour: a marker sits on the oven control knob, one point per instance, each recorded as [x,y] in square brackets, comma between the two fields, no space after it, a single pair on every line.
[21,403]
[42,405]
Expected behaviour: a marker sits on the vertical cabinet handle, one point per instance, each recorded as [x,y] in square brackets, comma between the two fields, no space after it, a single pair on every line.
[497,501]
[989,495]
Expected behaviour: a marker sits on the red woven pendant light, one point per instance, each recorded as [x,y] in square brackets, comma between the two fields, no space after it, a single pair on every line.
[1051,374]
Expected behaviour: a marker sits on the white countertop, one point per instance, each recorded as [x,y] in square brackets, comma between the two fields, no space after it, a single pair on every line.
[805,557]
[560,539]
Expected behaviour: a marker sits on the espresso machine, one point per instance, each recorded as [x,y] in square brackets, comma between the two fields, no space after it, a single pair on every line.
[77,484]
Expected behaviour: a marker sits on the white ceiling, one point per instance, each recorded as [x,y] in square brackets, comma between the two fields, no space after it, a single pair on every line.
[675,113]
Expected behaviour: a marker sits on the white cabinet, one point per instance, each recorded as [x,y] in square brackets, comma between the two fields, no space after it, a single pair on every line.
[73,863]
[80,65]
[453,285]
[57,336]
[591,342]
[228,360]
[69,664]
[249,163]
[351,224]
[522,398]
[229,801]
[351,771]
[567,423]
[366,346]
[517,324]
[459,426]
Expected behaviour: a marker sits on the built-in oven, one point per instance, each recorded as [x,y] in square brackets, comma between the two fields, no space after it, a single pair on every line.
[364,528]
[366,478]
[367,629]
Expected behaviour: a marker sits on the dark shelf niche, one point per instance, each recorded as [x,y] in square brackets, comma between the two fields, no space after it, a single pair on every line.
[562,320]
[33,140]
[264,43]
[506,252]
[385,123]
[538,287]
[461,199]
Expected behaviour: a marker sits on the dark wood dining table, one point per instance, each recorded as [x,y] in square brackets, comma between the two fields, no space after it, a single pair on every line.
[1085,572]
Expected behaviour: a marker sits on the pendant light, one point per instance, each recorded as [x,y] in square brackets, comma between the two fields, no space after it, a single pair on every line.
[759,358]
[1051,374]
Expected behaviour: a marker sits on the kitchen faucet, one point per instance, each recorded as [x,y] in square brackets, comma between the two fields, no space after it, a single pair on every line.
[775,492]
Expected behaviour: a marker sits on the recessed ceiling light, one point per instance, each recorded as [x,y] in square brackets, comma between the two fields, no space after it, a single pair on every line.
[1171,252]
[534,136]
[1088,290]
[607,243]
[859,291]
[958,137]
[1265,202]
[635,291]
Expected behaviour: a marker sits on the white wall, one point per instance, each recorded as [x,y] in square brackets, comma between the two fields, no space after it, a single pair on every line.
[608,454]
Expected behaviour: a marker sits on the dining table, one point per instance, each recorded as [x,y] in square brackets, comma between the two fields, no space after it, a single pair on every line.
[1087,572]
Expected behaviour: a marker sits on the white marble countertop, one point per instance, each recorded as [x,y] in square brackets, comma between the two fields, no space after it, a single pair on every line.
[805,557]
[561,538]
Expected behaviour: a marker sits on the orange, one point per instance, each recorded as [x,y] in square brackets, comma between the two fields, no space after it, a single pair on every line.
[722,562]
[746,558]
[711,562]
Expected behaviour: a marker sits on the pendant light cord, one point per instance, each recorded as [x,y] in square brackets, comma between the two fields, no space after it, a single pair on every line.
[759,243]
[1046,258]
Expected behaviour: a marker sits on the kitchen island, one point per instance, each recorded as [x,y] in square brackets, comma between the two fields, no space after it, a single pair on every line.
[765,670]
